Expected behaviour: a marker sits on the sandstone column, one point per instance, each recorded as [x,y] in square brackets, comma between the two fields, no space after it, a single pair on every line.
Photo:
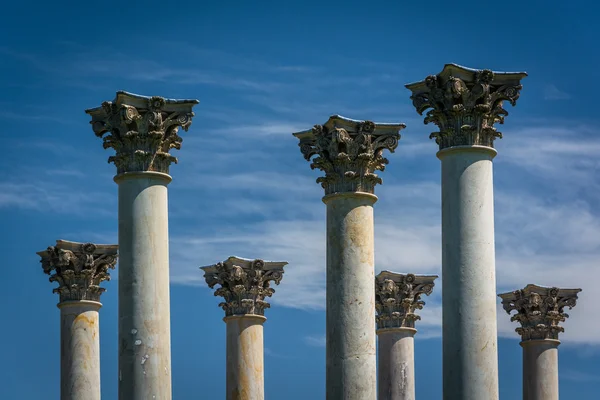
[79,268]
[142,131]
[397,297]
[244,285]
[465,104]
[540,310]
[349,152]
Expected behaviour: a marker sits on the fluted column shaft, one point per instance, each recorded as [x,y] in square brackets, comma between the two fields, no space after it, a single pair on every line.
[396,365]
[351,355]
[470,357]
[144,303]
[79,350]
[245,357]
[540,369]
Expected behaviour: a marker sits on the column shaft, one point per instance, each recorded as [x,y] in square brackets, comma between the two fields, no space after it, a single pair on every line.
[79,350]
[470,357]
[540,369]
[245,358]
[396,364]
[351,357]
[144,304]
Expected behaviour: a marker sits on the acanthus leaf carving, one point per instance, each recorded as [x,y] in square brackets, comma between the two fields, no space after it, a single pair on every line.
[244,284]
[540,310]
[349,152]
[78,268]
[465,104]
[398,296]
[142,130]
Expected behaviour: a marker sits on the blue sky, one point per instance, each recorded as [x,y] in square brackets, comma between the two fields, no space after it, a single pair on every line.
[261,71]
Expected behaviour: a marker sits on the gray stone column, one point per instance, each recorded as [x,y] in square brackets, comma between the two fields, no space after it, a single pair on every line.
[350,152]
[397,297]
[540,310]
[465,104]
[244,285]
[79,268]
[142,130]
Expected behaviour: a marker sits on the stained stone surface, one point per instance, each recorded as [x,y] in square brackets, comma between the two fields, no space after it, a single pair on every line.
[142,130]
[349,152]
[465,103]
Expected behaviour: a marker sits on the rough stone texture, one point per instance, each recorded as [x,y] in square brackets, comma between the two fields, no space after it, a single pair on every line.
[244,284]
[540,310]
[142,130]
[398,296]
[79,350]
[349,152]
[465,103]
[79,268]
[396,364]
[144,302]
[245,358]
[469,327]
[350,319]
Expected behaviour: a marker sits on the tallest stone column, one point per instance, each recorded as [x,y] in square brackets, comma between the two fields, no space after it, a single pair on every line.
[349,152]
[465,104]
[142,130]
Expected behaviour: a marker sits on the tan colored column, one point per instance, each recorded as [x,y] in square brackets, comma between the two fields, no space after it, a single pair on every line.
[465,104]
[540,310]
[79,268]
[244,285]
[350,152]
[142,130]
[397,297]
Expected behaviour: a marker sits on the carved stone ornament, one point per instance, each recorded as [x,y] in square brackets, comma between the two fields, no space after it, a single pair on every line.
[79,268]
[398,296]
[465,103]
[540,310]
[142,130]
[244,284]
[349,152]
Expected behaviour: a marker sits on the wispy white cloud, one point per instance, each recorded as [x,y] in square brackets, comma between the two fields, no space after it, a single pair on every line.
[315,340]
[551,92]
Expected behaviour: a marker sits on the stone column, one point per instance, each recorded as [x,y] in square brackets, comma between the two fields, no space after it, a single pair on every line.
[540,310]
[142,130]
[79,268]
[349,152]
[465,104]
[244,285]
[397,297]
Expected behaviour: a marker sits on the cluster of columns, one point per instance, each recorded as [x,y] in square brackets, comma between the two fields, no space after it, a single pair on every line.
[465,104]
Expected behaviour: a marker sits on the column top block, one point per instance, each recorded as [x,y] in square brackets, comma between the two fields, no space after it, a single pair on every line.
[245,263]
[143,102]
[540,310]
[399,277]
[79,268]
[353,126]
[469,75]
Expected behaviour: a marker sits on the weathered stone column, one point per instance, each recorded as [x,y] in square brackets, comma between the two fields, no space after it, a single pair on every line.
[540,310]
[244,286]
[349,152]
[79,268]
[142,131]
[465,104]
[397,297]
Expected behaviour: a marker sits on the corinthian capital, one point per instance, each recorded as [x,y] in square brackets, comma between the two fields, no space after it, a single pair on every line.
[349,152]
[244,284]
[142,130]
[398,296]
[465,103]
[540,310]
[78,268]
